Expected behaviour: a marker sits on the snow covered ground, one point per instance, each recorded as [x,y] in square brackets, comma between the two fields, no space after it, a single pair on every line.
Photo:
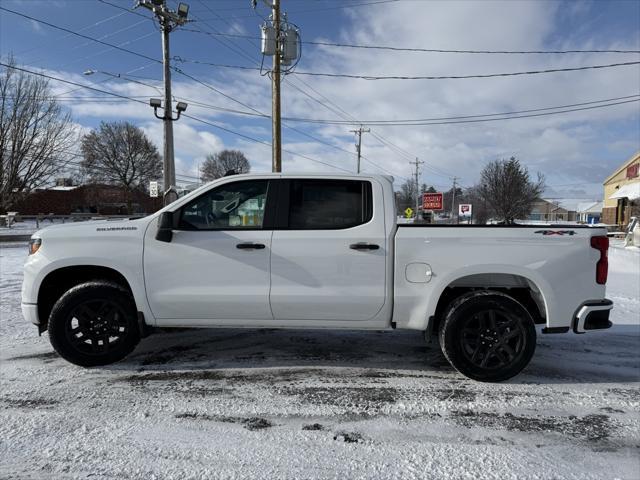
[267,404]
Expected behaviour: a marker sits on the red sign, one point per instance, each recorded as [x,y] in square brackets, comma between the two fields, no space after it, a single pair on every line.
[432,201]
[633,170]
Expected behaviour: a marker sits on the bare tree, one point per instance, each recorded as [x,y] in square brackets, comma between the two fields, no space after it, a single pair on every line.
[218,164]
[35,134]
[506,187]
[119,153]
[406,196]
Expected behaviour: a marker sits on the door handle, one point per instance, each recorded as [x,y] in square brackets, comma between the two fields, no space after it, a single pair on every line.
[250,246]
[364,246]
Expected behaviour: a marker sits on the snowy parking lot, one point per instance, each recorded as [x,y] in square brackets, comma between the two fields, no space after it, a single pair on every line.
[305,404]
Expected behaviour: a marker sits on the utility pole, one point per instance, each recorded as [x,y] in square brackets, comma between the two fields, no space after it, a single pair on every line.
[359,132]
[453,200]
[168,157]
[276,156]
[168,20]
[417,164]
[281,40]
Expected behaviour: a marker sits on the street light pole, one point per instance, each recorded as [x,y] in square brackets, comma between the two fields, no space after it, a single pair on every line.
[169,169]
[168,20]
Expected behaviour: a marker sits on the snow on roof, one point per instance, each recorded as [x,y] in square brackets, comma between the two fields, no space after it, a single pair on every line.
[61,188]
[590,207]
[569,204]
[630,191]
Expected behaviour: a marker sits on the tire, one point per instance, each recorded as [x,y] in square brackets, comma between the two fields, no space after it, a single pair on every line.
[93,324]
[487,336]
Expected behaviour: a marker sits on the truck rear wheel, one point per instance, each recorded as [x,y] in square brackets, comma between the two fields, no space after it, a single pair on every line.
[487,336]
[94,324]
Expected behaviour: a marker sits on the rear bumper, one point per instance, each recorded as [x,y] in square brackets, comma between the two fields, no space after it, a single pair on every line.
[593,315]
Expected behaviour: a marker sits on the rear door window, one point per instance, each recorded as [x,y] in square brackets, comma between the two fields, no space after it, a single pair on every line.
[329,204]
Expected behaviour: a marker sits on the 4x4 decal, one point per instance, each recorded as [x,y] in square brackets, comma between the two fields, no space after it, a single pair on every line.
[556,232]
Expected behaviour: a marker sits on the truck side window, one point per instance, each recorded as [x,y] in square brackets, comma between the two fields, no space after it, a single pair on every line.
[329,204]
[236,205]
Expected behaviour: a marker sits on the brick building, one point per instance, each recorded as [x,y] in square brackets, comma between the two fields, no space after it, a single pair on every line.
[622,193]
[94,198]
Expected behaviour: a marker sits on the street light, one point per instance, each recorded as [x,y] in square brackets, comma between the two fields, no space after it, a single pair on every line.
[156,103]
[183,10]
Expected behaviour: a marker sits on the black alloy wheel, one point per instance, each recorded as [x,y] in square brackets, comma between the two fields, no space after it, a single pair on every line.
[94,323]
[493,338]
[487,335]
[96,326]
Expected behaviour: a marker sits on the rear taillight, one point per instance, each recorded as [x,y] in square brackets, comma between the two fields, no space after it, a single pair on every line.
[601,244]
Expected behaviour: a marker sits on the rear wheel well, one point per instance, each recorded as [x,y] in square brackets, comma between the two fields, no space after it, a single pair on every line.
[517,287]
[58,282]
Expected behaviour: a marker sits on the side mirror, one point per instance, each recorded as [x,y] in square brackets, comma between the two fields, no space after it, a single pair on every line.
[165,227]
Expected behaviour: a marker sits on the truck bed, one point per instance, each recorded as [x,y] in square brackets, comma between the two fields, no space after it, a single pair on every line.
[556,262]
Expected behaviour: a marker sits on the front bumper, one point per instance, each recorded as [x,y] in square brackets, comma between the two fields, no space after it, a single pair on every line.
[593,315]
[30,313]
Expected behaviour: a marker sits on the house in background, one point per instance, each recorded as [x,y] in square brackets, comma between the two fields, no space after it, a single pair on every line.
[622,193]
[547,211]
[554,210]
[589,212]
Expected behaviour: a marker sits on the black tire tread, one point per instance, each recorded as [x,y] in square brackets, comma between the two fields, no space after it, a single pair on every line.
[65,302]
[450,353]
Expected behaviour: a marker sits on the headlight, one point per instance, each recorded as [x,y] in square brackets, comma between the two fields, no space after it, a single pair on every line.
[34,245]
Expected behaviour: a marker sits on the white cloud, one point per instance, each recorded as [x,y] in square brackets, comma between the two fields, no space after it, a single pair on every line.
[567,147]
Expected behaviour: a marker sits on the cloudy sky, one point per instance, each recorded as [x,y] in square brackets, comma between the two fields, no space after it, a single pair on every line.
[574,150]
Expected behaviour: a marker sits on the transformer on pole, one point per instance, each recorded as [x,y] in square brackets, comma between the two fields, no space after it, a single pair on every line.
[280,40]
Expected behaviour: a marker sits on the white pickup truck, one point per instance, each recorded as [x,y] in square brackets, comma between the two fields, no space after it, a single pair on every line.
[313,251]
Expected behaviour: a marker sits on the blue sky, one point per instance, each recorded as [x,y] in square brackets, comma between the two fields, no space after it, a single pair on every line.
[575,151]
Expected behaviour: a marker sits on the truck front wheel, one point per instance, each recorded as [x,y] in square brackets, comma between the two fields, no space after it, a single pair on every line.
[94,324]
[487,336]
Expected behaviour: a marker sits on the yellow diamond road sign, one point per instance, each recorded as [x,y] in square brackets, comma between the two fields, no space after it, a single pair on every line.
[408,212]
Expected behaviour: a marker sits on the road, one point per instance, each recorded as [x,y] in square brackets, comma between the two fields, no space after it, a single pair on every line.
[305,404]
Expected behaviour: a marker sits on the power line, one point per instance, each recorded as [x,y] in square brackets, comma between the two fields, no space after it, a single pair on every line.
[341,113]
[458,117]
[247,106]
[461,77]
[482,52]
[106,92]
[182,73]
[38,20]
[338,7]
[423,77]
[62,37]
[128,10]
[422,50]
[258,112]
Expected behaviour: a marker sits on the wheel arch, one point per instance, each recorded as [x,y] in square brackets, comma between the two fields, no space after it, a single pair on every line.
[60,280]
[523,286]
